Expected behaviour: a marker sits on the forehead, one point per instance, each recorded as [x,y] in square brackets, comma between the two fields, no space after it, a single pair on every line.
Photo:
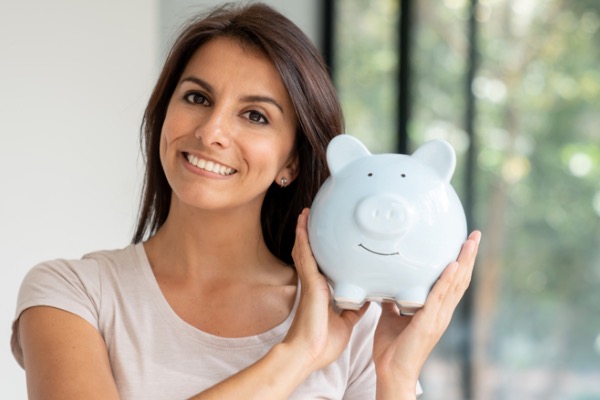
[230,58]
[231,44]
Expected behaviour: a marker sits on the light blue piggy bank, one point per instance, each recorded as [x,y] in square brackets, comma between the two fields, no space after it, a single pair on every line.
[384,226]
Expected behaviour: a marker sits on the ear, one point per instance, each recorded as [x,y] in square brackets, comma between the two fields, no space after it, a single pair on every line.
[439,156]
[342,150]
[290,170]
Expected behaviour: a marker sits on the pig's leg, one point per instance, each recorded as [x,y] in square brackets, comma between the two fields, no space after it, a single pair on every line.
[410,300]
[349,296]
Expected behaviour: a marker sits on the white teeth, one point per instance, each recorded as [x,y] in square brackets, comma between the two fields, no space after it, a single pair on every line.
[209,165]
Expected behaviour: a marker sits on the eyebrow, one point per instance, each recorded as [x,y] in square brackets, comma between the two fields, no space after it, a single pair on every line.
[262,99]
[247,99]
[198,82]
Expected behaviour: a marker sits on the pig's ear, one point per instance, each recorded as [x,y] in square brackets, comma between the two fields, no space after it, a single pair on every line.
[342,150]
[439,156]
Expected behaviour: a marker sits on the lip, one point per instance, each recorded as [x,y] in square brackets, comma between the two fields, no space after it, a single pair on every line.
[376,252]
[206,165]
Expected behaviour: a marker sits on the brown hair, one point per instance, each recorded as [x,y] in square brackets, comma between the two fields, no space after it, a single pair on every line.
[313,96]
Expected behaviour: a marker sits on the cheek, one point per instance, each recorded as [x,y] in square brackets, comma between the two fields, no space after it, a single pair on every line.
[264,158]
[162,148]
[277,154]
[169,129]
[290,152]
[170,133]
[175,123]
[168,136]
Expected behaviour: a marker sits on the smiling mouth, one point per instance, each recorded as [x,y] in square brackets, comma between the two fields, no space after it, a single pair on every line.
[210,166]
[379,254]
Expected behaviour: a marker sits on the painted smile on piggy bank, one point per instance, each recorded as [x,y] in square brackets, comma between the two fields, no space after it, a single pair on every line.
[384,226]
[378,253]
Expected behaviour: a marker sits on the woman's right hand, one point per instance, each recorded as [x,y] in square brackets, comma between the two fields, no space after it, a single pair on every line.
[318,332]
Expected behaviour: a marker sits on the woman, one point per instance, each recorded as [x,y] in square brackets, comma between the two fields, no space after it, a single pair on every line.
[205,304]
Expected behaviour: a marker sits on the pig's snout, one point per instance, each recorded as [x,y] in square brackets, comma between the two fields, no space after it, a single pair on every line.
[383,215]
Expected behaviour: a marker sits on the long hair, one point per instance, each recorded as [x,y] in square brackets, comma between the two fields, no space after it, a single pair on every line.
[313,96]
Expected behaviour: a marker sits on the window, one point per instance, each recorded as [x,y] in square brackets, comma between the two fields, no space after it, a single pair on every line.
[526,127]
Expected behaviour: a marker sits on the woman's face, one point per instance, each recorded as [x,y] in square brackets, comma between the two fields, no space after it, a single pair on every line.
[229,129]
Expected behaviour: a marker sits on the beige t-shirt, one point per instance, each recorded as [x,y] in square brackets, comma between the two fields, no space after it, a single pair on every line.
[153,353]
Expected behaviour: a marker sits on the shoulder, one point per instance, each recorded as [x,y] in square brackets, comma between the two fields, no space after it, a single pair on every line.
[83,272]
[73,285]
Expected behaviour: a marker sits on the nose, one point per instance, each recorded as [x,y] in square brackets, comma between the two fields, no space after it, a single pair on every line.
[382,215]
[214,129]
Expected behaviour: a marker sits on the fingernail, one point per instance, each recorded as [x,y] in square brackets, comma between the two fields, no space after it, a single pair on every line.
[478,238]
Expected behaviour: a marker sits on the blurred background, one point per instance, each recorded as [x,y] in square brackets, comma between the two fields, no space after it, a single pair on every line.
[514,85]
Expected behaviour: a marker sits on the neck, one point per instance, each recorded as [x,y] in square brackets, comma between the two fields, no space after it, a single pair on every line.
[211,244]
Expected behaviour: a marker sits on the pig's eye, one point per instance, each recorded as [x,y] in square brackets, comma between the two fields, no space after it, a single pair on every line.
[403,175]
[370,174]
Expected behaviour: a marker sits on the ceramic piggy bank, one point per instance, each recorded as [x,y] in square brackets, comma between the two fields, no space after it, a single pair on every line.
[384,226]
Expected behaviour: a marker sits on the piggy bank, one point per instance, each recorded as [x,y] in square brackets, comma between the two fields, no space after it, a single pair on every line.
[383,227]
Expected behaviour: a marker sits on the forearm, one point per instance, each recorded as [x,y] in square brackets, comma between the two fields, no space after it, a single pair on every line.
[275,376]
[394,384]
[395,391]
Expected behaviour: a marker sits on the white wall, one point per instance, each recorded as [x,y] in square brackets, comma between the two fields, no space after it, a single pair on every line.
[173,13]
[74,79]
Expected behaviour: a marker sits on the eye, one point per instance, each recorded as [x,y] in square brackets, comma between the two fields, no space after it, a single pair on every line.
[196,98]
[256,117]
[403,175]
[370,174]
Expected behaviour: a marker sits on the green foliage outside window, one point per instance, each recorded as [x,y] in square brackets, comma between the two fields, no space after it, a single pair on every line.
[535,328]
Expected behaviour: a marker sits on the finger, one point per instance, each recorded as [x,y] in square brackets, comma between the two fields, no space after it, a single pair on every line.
[456,278]
[306,265]
[468,252]
[438,294]
[475,236]
[466,261]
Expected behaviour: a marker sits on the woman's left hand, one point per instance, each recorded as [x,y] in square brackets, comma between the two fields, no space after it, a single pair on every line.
[403,343]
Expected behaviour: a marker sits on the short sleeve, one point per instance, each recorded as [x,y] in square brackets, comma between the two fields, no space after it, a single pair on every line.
[72,286]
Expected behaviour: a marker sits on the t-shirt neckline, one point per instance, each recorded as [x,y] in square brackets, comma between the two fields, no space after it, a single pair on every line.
[275,334]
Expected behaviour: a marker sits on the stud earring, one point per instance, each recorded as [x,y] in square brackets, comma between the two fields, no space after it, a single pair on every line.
[283,182]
